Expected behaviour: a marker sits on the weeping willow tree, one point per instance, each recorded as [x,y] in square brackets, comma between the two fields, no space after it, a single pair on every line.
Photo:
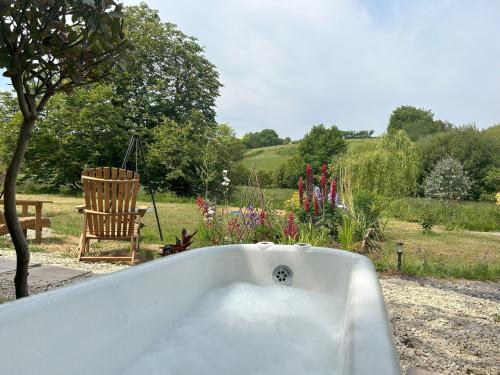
[389,168]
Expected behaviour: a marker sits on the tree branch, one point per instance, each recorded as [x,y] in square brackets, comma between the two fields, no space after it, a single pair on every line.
[23,104]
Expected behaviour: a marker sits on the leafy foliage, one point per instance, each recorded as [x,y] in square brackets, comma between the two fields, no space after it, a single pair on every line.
[416,122]
[320,145]
[10,121]
[368,210]
[478,151]
[447,180]
[77,131]
[175,158]
[166,75]
[264,138]
[357,134]
[427,217]
[388,169]
[47,46]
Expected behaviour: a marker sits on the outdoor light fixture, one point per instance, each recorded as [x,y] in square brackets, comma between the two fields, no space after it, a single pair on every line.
[399,251]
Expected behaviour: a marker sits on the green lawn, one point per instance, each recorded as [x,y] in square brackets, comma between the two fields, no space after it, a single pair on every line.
[442,253]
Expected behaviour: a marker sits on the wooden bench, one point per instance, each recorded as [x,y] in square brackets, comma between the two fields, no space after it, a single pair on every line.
[37,222]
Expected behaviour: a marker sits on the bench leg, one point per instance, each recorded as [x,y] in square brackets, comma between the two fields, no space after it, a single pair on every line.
[38,223]
[25,213]
[84,242]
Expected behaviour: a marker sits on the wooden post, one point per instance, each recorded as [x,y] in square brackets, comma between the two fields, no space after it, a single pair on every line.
[38,222]
[24,213]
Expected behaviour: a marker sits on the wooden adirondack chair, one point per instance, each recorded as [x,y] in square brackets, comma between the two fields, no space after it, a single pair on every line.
[110,211]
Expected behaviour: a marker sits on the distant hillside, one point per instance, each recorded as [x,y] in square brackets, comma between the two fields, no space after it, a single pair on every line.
[270,158]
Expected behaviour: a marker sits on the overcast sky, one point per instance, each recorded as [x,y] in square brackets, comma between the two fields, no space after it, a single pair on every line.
[290,64]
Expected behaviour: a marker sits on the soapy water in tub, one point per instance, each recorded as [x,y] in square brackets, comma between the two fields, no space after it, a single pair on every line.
[245,329]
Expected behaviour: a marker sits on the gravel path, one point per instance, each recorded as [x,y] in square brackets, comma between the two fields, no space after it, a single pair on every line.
[7,291]
[447,327]
[443,326]
[66,261]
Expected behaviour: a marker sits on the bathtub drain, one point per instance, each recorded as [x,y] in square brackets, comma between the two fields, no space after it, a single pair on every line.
[282,275]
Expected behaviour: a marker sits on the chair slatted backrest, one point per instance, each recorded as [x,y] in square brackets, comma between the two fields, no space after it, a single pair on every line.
[111,192]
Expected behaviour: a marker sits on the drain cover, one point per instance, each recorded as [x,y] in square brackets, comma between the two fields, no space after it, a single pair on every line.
[282,275]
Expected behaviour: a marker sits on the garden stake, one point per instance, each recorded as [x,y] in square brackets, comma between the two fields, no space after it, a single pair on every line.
[399,251]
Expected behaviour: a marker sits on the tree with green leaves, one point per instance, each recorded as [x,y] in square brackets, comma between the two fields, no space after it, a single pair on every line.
[187,157]
[416,122]
[389,168]
[320,145]
[477,150]
[447,180]
[10,121]
[48,47]
[264,138]
[76,132]
[166,73]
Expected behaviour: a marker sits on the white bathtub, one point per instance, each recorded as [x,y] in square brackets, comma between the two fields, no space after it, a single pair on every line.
[100,326]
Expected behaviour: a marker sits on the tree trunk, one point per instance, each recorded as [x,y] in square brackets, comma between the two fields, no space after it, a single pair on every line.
[11,219]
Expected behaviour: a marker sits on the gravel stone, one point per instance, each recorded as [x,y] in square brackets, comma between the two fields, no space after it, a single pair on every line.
[445,326]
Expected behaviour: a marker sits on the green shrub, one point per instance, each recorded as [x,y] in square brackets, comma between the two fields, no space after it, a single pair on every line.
[427,218]
[312,235]
[347,231]
[367,209]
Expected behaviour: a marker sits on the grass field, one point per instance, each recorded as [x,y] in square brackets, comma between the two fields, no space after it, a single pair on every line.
[443,253]
[470,215]
[269,158]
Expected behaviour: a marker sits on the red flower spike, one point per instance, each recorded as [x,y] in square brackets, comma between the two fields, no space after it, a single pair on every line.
[323,185]
[306,206]
[333,192]
[262,217]
[199,202]
[291,229]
